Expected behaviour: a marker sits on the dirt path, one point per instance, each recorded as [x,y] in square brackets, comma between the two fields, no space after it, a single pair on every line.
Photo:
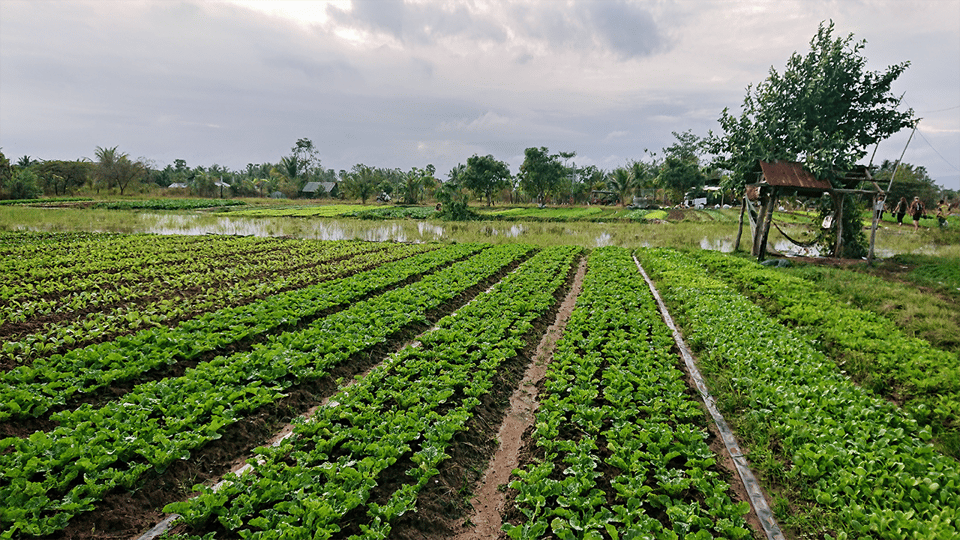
[488,501]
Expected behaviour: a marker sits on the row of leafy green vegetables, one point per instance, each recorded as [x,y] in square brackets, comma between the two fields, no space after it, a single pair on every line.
[169,204]
[850,464]
[165,273]
[31,257]
[70,267]
[409,409]
[328,260]
[615,404]
[44,201]
[50,477]
[872,348]
[30,391]
[73,266]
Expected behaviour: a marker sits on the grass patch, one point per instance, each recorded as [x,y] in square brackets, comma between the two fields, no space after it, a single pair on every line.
[325,210]
[933,318]
[394,212]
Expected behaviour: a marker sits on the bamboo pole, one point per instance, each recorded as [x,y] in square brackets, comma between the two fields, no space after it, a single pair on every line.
[838,219]
[743,208]
[873,230]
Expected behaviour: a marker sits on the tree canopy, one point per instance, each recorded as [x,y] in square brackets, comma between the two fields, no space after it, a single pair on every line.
[115,169]
[540,172]
[485,175]
[824,110]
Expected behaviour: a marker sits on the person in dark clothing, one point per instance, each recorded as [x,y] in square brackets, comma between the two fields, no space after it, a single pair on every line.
[916,212]
[901,210]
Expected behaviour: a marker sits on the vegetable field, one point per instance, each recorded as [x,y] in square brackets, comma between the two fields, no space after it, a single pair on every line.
[240,387]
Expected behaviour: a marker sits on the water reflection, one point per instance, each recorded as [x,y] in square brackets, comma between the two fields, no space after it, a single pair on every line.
[585,234]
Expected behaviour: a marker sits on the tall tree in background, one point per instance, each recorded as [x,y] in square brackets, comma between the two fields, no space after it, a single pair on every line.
[417,182]
[540,172]
[620,182]
[361,182]
[6,172]
[25,162]
[308,157]
[680,170]
[58,177]
[485,175]
[115,169]
[825,111]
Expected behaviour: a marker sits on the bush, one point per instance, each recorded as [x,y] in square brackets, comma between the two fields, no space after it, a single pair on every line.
[23,185]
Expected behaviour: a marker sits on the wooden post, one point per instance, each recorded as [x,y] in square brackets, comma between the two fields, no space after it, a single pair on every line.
[761,219]
[838,220]
[873,230]
[743,208]
[771,202]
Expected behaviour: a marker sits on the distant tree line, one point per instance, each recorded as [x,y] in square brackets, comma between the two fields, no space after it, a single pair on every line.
[544,177]
[679,171]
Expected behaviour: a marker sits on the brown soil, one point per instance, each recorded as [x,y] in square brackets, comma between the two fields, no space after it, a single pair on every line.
[488,502]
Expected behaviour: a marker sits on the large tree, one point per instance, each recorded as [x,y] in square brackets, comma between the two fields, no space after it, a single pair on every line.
[680,170]
[418,181]
[825,110]
[484,175]
[115,169]
[58,177]
[6,172]
[540,172]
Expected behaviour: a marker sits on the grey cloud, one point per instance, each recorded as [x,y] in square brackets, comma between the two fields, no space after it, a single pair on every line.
[334,71]
[628,28]
[417,23]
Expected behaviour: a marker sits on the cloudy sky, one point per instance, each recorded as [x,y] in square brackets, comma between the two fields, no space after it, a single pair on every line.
[394,83]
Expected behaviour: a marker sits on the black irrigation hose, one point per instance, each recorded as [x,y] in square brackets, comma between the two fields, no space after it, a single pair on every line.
[757,500]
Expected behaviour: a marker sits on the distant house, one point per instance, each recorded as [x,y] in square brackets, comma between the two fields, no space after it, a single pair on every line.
[319,189]
[178,185]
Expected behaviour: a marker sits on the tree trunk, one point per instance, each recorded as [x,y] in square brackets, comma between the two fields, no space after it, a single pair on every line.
[768,219]
[761,219]
[838,218]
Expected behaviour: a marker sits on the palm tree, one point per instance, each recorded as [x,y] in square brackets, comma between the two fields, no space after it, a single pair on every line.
[114,168]
[620,182]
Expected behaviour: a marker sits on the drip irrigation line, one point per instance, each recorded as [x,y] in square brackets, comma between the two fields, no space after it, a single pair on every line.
[757,500]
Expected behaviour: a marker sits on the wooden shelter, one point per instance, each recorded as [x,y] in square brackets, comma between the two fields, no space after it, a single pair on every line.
[788,175]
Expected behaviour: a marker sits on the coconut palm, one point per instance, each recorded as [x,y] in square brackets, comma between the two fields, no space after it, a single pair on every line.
[620,182]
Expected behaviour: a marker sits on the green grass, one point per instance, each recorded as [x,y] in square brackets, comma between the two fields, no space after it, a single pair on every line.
[931,317]
[394,212]
[327,210]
